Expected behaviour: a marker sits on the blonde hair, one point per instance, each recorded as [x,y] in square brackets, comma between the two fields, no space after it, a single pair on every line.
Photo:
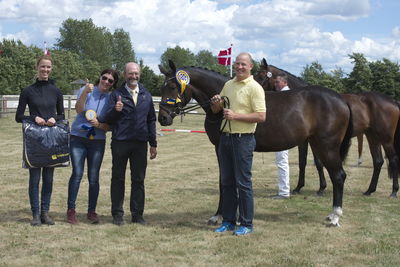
[43,57]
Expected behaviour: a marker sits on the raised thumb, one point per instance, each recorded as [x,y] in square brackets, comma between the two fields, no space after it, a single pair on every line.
[119,98]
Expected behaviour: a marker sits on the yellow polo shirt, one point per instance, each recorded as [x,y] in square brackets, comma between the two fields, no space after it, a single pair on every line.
[246,96]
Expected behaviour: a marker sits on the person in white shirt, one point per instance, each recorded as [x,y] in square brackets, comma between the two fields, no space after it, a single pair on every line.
[282,157]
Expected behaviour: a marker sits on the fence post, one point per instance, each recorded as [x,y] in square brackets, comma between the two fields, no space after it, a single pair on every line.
[69,106]
[1,106]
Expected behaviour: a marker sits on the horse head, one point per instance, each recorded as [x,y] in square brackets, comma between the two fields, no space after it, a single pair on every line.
[266,76]
[174,95]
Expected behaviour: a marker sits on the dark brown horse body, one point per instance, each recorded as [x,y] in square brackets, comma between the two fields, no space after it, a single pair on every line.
[373,114]
[313,114]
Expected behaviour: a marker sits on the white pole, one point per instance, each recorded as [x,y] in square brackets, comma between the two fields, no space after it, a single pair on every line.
[231,59]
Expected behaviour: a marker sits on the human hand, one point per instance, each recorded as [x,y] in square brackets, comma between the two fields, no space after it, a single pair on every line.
[89,87]
[216,99]
[153,152]
[119,105]
[229,114]
[40,121]
[95,123]
[51,122]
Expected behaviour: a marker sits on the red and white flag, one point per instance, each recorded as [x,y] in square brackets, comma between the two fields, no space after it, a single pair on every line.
[46,51]
[224,57]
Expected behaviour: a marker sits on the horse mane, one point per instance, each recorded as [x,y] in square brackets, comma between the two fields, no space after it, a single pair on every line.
[206,69]
[292,78]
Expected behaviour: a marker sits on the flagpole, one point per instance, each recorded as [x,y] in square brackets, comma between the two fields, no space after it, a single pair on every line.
[231,58]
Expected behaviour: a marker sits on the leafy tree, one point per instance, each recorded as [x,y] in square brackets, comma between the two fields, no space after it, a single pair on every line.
[205,59]
[17,66]
[337,80]
[87,40]
[68,67]
[313,74]
[180,56]
[386,77]
[122,50]
[150,80]
[360,79]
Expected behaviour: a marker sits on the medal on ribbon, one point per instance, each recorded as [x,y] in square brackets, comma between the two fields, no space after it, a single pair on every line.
[183,79]
[90,114]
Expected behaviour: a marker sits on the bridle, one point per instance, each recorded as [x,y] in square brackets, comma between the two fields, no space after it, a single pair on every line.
[268,75]
[179,107]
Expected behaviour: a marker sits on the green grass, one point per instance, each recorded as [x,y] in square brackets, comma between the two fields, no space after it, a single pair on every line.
[181,194]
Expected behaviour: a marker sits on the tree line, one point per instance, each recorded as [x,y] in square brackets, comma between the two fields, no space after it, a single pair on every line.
[84,49]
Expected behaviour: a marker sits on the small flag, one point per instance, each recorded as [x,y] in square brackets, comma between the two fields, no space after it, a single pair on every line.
[46,51]
[224,57]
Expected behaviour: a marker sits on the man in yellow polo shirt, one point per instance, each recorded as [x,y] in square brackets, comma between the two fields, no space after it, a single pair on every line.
[242,101]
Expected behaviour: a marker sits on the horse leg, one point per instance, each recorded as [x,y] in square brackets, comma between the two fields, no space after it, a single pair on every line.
[377,161]
[338,177]
[322,180]
[303,150]
[360,140]
[329,155]
[217,218]
[393,167]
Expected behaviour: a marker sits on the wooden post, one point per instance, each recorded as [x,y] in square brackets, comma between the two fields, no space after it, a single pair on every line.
[1,106]
[69,106]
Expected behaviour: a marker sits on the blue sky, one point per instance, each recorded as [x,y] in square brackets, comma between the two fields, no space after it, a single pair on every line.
[289,33]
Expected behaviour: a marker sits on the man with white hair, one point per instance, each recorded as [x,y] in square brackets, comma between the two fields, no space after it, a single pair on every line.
[132,118]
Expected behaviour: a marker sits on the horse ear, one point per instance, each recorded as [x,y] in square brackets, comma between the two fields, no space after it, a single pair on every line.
[162,69]
[172,65]
[264,62]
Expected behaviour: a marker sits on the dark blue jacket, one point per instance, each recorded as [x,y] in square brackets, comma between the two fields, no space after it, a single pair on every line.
[134,122]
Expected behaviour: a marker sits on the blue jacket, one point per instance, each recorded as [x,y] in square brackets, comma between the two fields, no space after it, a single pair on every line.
[134,122]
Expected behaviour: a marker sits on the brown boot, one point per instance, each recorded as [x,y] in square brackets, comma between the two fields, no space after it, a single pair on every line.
[71,216]
[92,217]
[44,217]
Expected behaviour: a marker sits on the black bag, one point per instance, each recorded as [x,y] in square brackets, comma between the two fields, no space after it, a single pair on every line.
[45,146]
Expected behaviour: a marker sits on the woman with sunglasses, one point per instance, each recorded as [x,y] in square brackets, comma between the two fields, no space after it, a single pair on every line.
[46,106]
[88,139]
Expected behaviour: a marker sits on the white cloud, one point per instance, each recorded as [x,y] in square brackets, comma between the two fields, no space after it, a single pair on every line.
[287,33]
[396,32]
[23,36]
[338,9]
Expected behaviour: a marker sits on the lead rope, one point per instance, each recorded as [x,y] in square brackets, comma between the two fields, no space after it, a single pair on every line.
[227,105]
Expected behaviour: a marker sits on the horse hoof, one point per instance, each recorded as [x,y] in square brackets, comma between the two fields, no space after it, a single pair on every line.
[367,193]
[331,224]
[296,192]
[393,195]
[320,193]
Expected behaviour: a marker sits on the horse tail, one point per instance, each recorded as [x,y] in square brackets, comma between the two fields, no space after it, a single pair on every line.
[345,146]
[397,137]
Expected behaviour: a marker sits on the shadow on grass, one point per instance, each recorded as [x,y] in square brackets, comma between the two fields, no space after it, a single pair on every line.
[192,220]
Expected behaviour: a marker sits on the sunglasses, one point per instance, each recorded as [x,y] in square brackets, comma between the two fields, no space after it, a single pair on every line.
[110,81]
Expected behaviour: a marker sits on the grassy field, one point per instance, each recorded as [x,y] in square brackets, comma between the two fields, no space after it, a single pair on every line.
[181,194]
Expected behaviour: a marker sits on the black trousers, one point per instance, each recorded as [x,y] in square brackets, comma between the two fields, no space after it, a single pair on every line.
[136,153]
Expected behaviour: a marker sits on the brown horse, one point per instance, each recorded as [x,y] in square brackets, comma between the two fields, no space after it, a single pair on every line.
[374,114]
[314,113]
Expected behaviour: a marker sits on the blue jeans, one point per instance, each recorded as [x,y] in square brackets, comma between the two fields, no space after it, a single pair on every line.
[47,188]
[80,150]
[236,159]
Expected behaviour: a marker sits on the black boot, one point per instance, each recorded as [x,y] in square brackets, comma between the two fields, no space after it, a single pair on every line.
[36,220]
[46,219]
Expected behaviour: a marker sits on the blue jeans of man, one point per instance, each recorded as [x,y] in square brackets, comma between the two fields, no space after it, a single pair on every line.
[80,150]
[136,153]
[236,159]
[47,189]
